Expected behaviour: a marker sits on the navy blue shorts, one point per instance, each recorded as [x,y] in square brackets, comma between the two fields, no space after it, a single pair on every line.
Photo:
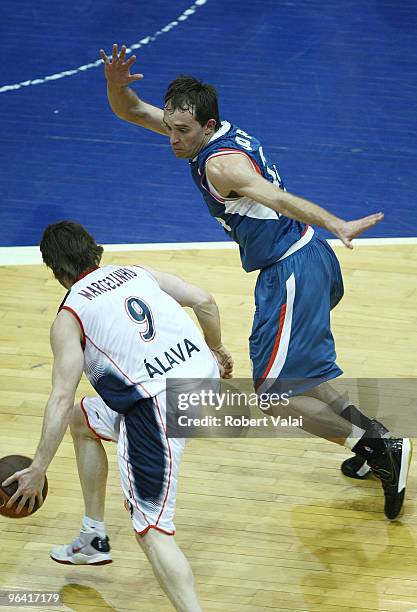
[291,336]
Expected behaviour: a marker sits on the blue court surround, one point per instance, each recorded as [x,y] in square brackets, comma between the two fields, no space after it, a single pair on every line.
[329,87]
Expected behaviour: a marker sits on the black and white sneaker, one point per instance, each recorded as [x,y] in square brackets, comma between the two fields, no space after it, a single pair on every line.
[391,467]
[87,549]
[355,467]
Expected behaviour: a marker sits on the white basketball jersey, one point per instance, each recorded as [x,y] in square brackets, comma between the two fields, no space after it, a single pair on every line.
[135,335]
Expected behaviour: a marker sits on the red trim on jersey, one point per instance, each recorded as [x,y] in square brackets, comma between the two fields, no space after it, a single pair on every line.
[144,531]
[170,461]
[86,273]
[253,162]
[75,281]
[89,425]
[276,344]
[305,230]
[217,154]
[79,323]
[218,198]
[117,367]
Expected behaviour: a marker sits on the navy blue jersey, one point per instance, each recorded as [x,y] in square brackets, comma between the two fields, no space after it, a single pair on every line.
[262,234]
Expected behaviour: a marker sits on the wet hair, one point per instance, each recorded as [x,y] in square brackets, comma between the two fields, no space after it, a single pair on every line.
[187,93]
[69,250]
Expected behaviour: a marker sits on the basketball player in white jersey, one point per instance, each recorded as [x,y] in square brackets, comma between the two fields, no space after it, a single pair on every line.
[126,328]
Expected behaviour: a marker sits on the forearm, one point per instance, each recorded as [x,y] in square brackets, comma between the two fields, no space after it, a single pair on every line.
[208,317]
[57,416]
[234,174]
[126,105]
[303,210]
[124,102]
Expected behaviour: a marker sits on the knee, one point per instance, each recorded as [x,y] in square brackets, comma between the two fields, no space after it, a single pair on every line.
[154,543]
[147,543]
[78,424]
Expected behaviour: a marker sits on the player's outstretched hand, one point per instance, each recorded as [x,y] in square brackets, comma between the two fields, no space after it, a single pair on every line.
[225,361]
[348,230]
[117,71]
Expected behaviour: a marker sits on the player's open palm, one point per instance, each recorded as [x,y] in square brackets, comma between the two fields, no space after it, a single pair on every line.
[117,71]
[351,229]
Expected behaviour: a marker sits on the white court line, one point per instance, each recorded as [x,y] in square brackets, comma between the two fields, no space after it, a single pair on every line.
[375,241]
[29,255]
[145,41]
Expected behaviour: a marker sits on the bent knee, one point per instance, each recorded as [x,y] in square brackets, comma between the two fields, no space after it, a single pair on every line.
[78,423]
[153,539]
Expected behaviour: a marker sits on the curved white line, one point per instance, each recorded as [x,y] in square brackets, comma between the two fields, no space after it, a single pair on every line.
[145,41]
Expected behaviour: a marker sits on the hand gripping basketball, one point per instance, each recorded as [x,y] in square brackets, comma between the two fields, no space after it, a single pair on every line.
[23,505]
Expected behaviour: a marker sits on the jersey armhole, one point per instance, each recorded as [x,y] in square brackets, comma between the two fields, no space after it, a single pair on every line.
[77,318]
[226,151]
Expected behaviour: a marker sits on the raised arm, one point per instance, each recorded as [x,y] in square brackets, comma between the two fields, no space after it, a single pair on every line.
[234,174]
[123,100]
[205,309]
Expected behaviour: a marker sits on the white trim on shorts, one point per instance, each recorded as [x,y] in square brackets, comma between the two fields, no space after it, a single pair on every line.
[280,357]
[296,246]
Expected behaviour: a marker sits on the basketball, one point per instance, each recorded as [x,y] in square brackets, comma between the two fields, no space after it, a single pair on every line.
[8,466]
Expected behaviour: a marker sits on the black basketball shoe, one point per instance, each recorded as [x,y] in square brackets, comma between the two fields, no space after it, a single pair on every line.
[391,466]
[356,467]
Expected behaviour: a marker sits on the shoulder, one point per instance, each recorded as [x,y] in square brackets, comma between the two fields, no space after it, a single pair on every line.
[65,326]
[227,160]
[66,320]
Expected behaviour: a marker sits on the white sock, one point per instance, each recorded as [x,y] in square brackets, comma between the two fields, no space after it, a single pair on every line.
[88,524]
[354,437]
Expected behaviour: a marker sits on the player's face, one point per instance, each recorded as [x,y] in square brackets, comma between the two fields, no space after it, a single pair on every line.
[186,135]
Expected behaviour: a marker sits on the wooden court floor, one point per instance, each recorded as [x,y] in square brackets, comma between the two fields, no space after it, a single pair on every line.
[267,524]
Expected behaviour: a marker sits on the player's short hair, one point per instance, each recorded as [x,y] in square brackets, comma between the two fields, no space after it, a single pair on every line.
[69,250]
[188,93]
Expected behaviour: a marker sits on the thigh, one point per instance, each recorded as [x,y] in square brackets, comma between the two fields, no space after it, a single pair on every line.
[291,336]
[101,420]
[149,464]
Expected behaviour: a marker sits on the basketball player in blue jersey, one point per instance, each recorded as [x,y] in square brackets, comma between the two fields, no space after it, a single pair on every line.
[126,328]
[299,280]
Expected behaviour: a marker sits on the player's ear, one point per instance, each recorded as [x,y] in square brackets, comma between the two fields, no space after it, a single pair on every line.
[210,126]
